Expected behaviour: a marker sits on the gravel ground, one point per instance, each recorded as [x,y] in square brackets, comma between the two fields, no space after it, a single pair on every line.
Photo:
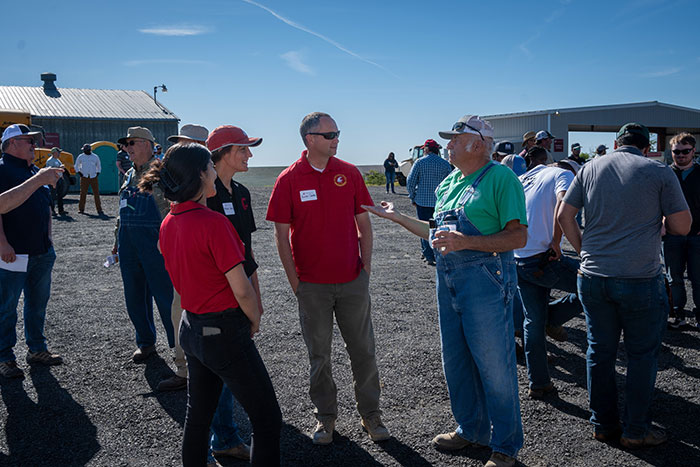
[102,409]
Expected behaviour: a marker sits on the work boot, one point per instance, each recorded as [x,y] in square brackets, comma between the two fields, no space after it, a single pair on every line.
[375,428]
[142,353]
[323,434]
[452,442]
[498,459]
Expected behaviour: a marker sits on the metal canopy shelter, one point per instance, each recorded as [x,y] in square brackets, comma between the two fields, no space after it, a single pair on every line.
[666,120]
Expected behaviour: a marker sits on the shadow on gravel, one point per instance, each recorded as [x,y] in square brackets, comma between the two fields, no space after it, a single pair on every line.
[687,339]
[480,454]
[53,431]
[403,454]
[297,449]
[65,218]
[173,402]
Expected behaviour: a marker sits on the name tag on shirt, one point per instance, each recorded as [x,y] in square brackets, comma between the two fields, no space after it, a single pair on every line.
[308,195]
[122,203]
[228,209]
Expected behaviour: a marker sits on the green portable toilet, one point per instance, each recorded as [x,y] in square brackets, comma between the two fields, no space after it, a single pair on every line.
[109,178]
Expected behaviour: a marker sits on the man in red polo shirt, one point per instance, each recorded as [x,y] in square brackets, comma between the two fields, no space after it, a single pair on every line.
[324,239]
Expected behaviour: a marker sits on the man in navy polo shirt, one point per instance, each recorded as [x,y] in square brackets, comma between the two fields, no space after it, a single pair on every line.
[26,230]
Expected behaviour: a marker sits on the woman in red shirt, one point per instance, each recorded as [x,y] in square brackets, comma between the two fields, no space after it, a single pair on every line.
[204,257]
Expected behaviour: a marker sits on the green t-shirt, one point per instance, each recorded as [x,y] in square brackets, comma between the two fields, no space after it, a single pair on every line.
[498,199]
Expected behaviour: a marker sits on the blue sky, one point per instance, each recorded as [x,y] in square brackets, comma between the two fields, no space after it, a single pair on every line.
[392,73]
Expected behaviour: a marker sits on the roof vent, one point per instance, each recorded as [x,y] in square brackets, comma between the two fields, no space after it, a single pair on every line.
[48,79]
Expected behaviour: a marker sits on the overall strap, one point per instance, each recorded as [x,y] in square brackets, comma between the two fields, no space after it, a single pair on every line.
[469,192]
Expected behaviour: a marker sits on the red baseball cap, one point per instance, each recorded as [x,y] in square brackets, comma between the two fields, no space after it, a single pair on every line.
[229,135]
[431,144]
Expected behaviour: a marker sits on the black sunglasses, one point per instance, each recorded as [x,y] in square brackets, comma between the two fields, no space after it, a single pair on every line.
[460,126]
[685,152]
[31,141]
[328,135]
[132,142]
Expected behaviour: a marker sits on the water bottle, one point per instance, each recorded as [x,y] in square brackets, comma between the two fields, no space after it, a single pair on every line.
[111,259]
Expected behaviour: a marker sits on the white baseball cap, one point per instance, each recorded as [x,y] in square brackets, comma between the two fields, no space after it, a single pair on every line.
[18,129]
[472,124]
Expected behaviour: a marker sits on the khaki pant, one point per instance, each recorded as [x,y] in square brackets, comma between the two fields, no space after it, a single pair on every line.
[176,316]
[350,302]
[84,184]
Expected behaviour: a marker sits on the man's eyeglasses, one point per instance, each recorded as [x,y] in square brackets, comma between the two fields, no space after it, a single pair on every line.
[685,152]
[460,126]
[328,135]
[132,142]
[27,140]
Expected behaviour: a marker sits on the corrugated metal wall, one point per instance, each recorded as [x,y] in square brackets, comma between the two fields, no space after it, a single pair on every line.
[74,133]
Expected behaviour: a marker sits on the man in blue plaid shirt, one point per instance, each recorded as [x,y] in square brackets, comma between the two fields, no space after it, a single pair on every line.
[426,174]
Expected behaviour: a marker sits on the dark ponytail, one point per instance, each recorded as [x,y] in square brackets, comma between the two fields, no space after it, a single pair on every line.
[179,174]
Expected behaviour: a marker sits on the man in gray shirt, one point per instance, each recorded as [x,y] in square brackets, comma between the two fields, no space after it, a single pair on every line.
[626,198]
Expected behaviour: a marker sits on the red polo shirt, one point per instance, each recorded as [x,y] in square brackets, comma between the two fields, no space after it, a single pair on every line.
[321,208]
[199,247]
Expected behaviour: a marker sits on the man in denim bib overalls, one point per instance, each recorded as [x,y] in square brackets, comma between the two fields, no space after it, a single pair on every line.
[480,218]
[142,266]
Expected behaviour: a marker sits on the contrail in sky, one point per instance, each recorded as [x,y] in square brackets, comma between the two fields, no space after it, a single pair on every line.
[320,36]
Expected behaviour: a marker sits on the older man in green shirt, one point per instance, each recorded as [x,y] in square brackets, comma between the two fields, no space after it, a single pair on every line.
[480,218]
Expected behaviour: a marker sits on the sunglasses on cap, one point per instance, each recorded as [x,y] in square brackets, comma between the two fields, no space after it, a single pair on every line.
[329,135]
[685,152]
[460,126]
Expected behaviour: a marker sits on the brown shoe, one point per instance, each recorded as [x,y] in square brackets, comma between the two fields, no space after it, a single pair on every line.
[498,459]
[452,442]
[609,436]
[9,369]
[142,353]
[558,333]
[541,392]
[323,434]
[242,451]
[174,383]
[654,437]
[375,428]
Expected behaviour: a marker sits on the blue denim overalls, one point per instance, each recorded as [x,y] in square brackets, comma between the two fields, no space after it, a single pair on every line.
[475,297]
[142,266]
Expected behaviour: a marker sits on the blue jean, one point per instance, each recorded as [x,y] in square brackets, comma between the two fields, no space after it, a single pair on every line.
[535,284]
[475,294]
[36,285]
[518,312]
[639,309]
[681,251]
[224,429]
[390,178]
[227,357]
[425,213]
[145,279]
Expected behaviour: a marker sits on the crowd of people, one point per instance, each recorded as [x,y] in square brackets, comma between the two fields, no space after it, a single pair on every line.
[490,221]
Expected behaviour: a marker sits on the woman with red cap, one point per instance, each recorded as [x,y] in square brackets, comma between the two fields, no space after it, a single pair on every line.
[230,153]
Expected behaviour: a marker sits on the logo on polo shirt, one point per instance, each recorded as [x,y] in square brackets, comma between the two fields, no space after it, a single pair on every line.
[340,180]
[244,203]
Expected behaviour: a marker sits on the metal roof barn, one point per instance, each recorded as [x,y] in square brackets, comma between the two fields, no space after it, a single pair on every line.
[666,120]
[73,117]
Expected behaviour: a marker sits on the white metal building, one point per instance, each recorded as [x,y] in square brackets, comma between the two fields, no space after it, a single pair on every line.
[665,120]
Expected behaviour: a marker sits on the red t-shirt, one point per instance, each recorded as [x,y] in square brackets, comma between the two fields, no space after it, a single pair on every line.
[199,247]
[321,208]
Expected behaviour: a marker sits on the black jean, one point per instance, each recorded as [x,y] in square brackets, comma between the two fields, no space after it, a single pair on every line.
[219,351]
